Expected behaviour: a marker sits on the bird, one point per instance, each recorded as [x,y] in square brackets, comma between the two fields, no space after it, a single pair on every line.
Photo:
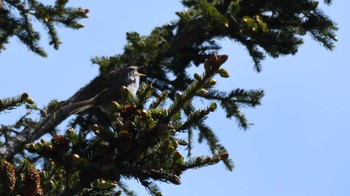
[128,76]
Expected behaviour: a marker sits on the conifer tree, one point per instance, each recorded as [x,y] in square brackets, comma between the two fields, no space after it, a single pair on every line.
[147,137]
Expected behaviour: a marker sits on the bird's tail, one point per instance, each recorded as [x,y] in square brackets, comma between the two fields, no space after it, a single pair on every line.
[81,106]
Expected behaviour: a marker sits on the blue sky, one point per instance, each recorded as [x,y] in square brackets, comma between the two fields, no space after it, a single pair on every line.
[299,144]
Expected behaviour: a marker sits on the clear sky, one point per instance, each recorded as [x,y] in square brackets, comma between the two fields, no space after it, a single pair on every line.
[299,144]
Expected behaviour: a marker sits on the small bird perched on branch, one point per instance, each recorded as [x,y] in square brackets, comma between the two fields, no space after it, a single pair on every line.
[127,76]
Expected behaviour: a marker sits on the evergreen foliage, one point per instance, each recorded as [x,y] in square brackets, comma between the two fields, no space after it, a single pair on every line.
[148,137]
[17,19]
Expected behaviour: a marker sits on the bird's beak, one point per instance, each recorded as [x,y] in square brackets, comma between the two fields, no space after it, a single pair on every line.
[140,74]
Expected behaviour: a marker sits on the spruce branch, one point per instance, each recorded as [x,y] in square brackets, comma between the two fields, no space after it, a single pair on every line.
[159,101]
[151,187]
[232,102]
[17,20]
[14,102]
[125,189]
[212,67]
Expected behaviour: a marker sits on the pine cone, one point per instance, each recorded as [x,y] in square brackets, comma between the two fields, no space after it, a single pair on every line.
[7,177]
[60,143]
[32,186]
